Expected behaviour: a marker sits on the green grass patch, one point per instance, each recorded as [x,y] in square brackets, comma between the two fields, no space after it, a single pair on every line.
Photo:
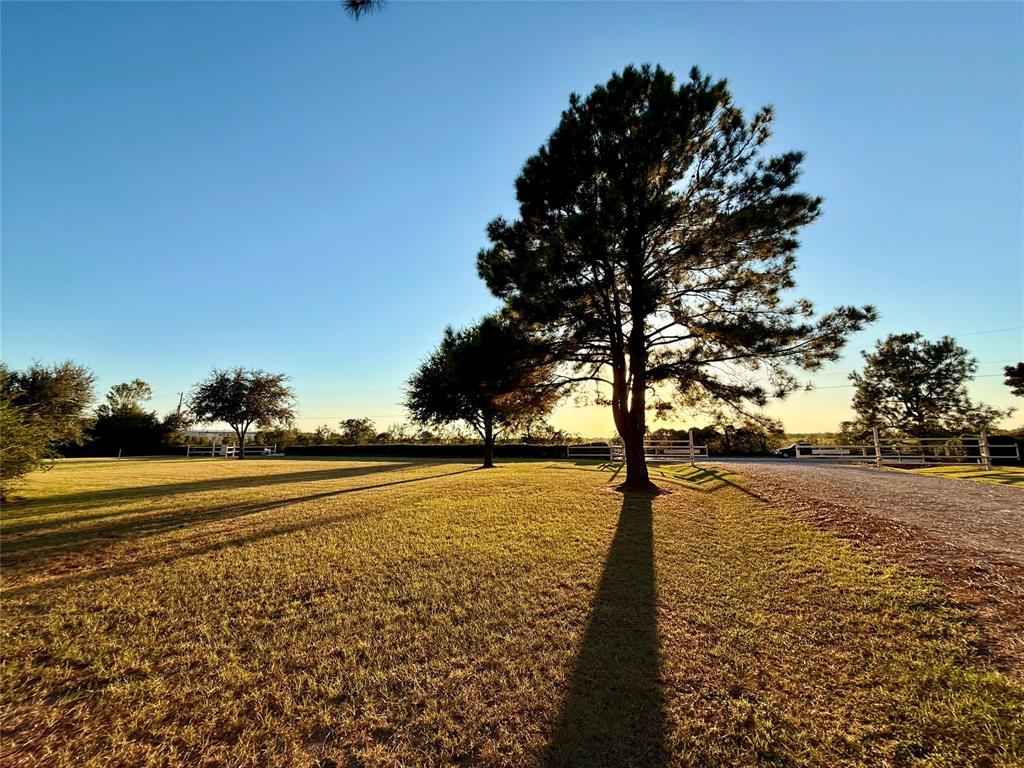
[996,475]
[334,613]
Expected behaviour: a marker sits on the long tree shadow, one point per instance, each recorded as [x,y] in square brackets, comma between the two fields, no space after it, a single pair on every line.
[699,479]
[21,518]
[23,551]
[613,714]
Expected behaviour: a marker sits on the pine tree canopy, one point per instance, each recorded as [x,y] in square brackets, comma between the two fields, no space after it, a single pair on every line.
[1013,376]
[655,244]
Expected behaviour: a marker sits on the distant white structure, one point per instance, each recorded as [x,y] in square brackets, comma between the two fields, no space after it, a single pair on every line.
[220,435]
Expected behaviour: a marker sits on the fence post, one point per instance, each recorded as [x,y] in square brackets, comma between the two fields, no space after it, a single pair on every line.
[690,441]
[878,447]
[986,452]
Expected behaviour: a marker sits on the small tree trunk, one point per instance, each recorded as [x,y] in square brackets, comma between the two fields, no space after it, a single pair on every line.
[488,445]
[241,443]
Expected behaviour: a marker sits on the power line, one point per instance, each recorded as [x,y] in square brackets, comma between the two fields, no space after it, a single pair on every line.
[994,330]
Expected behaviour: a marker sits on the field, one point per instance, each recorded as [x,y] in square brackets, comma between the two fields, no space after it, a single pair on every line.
[343,613]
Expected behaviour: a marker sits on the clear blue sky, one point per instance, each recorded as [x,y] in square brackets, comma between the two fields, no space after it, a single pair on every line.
[166,165]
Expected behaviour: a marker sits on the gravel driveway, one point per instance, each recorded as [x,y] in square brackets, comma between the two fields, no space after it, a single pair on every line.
[979,516]
[967,535]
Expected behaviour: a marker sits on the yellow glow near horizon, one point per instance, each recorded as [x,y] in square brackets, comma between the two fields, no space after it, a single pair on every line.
[817,410]
[804,412]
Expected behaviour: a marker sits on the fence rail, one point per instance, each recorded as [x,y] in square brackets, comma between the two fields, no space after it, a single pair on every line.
[962,449]
[920,451]
[229,451]
[673,451]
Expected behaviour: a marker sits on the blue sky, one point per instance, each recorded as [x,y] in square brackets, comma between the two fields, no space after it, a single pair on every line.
[275,185]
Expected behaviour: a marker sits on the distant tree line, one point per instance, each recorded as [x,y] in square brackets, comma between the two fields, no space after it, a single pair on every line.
[492,382]
[46,412]
[748,438]
[363,431]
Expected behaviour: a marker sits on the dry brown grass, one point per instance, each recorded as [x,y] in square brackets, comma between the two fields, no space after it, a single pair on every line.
[381,613]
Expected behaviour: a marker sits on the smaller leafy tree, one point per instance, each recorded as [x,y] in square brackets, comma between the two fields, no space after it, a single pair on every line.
[357,431]
[750,438]
[126,398]
[55,396]
[242,397]
[324,435]
[1014,378]
[538,430]
[175,426]
[283,436]
[398,433]
[493,376]
[915,387]
[123,423]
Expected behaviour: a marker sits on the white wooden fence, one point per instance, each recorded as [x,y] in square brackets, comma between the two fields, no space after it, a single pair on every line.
[229,451]
[962,449]
[917,451]
[671,451]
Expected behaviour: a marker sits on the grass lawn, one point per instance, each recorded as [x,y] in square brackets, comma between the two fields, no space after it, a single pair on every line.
[346,613]
[997,475]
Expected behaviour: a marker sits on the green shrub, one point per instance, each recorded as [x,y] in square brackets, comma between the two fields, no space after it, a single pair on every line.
[24,446]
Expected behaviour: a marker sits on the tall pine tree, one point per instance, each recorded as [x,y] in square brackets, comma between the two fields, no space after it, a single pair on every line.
[655,242]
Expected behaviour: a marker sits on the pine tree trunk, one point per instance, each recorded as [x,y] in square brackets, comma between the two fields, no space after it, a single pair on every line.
[637,476]
[631,416]
[488,445]
[630,422]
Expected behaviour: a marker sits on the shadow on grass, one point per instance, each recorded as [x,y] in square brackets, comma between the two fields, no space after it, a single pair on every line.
[1001,478]
[88,499]
[27,551]
[613,714]
[700,479]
